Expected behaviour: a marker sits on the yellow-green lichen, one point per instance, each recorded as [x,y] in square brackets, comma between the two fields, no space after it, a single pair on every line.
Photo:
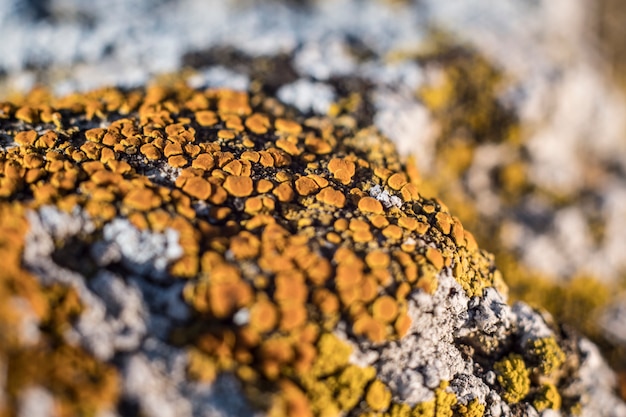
[444,401]
[464,98]
[333,385]
[547,354]
[513,377]
[547,397]
[378,396]
[473,409]
[292,236]
[349,386]
[425,409]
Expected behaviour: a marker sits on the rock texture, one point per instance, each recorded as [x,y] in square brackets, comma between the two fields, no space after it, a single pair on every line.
[213,252]
[252,233]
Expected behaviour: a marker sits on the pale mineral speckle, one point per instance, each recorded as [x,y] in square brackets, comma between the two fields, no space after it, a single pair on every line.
[29,332]
[489,314]
[219,77]
[143,252]
[126,311]
[416,365]
[36,402]
[530,325]
[598,384]
[398,116]
[466,387]
[387,199]
[325,59]
[307,96]
[150,387]
[613,321]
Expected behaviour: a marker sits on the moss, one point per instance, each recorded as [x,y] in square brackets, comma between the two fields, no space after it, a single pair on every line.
[513,377]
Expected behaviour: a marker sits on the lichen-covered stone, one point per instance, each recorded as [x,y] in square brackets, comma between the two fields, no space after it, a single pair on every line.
[344,295]
[269,250]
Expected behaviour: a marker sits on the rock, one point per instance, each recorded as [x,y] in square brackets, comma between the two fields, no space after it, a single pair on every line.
[308,274]
[121,222]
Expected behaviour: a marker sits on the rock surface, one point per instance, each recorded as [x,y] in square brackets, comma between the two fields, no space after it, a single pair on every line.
[147,229]
[212,252]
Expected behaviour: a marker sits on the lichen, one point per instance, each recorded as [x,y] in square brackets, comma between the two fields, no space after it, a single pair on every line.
[547,355]
[473,409]
[297,243]
[513,377]
[547,397]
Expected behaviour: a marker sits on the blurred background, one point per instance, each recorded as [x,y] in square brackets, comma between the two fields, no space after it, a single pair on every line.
[513,110]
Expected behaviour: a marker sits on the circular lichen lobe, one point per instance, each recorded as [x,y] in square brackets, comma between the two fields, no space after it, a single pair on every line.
[285,223]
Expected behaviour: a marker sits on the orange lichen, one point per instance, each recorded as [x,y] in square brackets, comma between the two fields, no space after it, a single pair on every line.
[263,316]
[392,232]
[284,192]
[306,186]
[238,186]
[275,252]
[342,169]
[287,126]
[142,199]
[378,396]
[331,197]
[397,181]
[385,309]
[198,188]
[258,123]
[370,205]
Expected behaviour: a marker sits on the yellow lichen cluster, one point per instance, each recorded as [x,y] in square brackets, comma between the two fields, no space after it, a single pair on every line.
[513,377]
[548,355]
[291,242]
[464,98]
